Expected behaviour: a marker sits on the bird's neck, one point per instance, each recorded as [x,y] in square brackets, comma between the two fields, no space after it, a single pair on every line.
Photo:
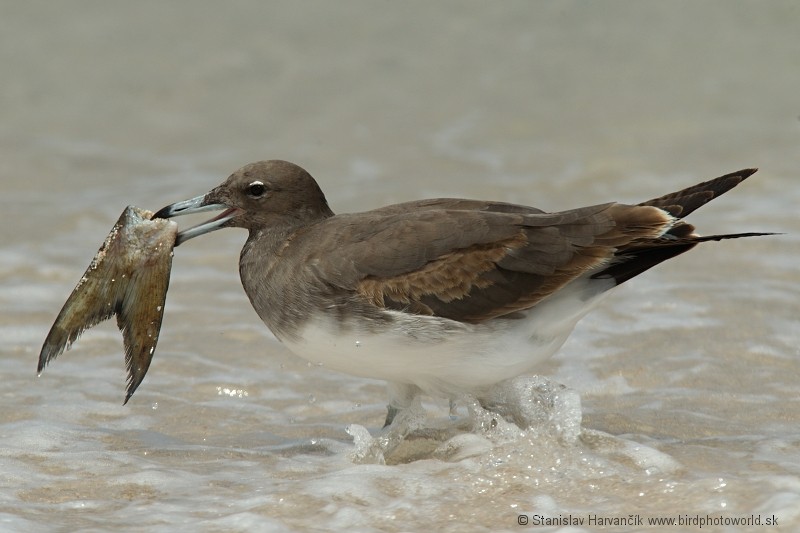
[264,244]
[267,278]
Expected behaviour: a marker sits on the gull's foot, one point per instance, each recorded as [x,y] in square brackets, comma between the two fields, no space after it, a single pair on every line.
[521,403]
[391,412]
[401,397]
[400,422]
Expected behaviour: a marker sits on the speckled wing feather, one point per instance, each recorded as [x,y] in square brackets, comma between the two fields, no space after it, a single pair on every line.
[129,278]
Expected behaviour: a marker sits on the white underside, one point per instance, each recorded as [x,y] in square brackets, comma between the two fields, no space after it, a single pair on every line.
[446,358]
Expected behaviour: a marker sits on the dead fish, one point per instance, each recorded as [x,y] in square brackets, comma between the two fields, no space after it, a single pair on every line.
[129,278]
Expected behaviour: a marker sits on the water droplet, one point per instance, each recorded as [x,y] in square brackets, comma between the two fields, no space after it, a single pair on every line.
[358,344]
[154,406]
[312,398]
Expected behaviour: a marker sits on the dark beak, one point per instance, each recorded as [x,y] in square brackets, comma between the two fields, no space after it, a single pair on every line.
[198,205]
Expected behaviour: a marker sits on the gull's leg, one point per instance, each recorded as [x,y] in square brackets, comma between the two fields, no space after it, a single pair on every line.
[401,396]
[405,415]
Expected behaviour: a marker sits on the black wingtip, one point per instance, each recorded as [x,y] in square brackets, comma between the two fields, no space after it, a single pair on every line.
[743,173]
[747,172]
[726,236]
[684,202]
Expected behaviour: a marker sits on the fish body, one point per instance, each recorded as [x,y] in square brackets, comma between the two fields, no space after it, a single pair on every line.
[128,278]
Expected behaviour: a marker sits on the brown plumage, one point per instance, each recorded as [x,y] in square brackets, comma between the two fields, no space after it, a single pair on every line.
[509,264]
[448,296]
[465,260]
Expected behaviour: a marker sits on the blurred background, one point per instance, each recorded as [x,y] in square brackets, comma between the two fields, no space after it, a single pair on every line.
[556,105]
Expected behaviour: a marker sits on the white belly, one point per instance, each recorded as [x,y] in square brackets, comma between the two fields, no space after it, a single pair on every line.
[444,357]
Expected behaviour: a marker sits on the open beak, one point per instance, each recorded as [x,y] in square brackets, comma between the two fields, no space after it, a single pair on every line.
[197,205]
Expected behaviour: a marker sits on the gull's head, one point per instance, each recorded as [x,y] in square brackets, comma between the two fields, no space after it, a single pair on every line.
[255,197]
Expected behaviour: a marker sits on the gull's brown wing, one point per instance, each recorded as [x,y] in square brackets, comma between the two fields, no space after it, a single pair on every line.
[478,263]
[472,261]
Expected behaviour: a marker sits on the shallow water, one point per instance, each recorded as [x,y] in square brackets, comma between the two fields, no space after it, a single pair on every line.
[688,376]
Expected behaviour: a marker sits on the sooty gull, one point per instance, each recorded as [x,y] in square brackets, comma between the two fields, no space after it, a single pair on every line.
[444,296]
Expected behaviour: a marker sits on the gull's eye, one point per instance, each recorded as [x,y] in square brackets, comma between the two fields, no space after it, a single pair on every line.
[256,189]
